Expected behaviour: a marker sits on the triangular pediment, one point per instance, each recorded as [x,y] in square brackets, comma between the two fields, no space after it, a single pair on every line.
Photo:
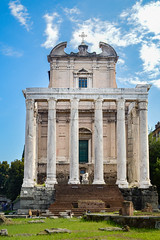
[83,70]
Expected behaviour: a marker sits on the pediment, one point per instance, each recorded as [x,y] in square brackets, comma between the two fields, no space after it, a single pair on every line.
[83,71]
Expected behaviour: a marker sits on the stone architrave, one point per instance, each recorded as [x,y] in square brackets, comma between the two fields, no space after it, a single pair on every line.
[143,139]
[74,143]
[51,144]
[29,157]
[98,134]
[121,145]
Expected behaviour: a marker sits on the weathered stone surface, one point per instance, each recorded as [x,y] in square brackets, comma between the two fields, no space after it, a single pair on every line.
[57,230]
[131,221]
[24,234]
[36,221]
[148,208]
[53,217]
[30,200]
[5,220]
[91,204]
[110,229]
[140,197]
[157,225]
[127,209]
[98,169]
[51,144]
[4,232]
[74,141]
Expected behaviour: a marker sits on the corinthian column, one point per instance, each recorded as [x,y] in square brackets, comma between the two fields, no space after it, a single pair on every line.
[98,134]
[29,157]
[74,143]
[51,144]
[144,154]
[121,145]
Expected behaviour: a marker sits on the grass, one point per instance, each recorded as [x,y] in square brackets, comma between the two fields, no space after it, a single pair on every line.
[80,230]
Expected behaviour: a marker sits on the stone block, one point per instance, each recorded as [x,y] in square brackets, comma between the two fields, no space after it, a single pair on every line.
[57,230]
[3,232]
[127,209]
[91,204]
[157,225]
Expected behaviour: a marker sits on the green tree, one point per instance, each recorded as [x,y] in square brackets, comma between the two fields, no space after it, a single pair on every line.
[4,168]
[15,179]
[154,157]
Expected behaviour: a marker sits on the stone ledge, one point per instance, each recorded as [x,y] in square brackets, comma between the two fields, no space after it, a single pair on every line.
[131,221]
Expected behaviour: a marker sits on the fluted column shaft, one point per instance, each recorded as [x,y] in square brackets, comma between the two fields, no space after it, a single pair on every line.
[51,144]
[121,145]
[74,143]
[29,157]
[144,152]
[98,135]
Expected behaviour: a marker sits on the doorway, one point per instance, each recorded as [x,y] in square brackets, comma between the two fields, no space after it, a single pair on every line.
[83,151]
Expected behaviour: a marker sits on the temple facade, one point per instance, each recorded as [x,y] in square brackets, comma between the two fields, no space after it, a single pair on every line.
[83,125]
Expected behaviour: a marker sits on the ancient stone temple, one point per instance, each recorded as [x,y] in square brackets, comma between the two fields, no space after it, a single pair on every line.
[82,129]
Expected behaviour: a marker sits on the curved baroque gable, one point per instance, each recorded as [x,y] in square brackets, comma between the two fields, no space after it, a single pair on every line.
[59,49]
[107,50]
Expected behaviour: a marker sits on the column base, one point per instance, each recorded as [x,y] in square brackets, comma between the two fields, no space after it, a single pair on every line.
[72,181]
[134,184]
[50,183]
[122,183]
[28,183]
[145,184]
[98,182]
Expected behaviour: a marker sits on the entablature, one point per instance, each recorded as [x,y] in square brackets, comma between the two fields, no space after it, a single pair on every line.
[107,94]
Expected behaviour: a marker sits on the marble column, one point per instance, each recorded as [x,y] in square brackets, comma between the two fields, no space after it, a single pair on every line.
[74,143]
[143,140]
[98,135]
[51,144]
[30,146]
[121,145]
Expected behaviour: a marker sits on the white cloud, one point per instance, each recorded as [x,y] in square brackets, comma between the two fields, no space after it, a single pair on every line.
[156,83]
[52,29]
[9,51]
[98,30]
[72,13]
[150,55]
[131,80]
[145,16]
[121,61]
[20,12]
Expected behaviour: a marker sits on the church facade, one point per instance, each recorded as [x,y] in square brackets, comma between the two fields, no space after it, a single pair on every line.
[83,125]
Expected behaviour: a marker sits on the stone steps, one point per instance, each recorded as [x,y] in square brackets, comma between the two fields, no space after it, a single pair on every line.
[67,197]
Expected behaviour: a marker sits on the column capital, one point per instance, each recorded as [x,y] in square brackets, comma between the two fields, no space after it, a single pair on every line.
[52,103]
[74,103]
[29,104]
[99,100]
[121,103]
[74,100]
[98,103]
[143,104]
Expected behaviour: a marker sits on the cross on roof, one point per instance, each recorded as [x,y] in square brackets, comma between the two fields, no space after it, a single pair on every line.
[82,36]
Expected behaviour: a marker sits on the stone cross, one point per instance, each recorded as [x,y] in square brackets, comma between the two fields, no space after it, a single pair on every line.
[82,36]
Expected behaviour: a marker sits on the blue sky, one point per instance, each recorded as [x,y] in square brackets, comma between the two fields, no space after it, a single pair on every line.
[30,29]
